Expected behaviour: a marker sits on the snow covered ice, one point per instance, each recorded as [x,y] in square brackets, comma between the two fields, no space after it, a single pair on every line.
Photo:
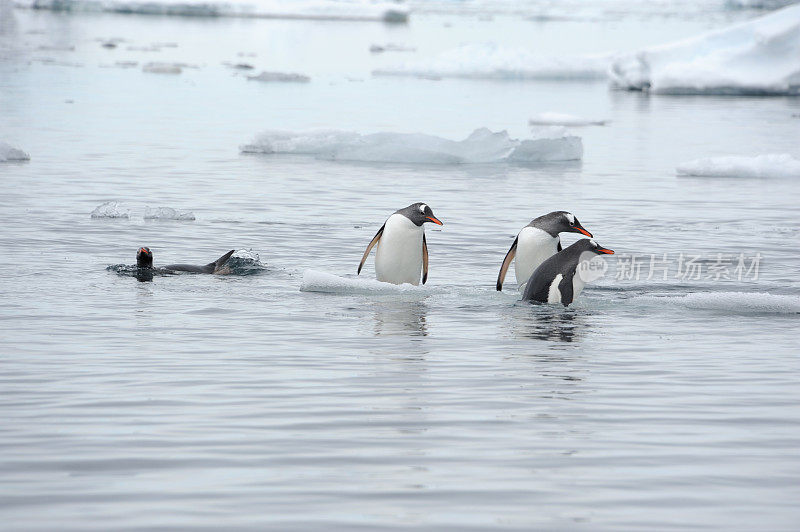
[317,281]
[482,146]
[560,119]
[10,153]
[781,165]
[737,302]
[493,61]
[759,57]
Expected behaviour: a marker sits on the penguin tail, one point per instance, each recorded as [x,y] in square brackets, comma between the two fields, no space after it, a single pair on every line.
[220,262]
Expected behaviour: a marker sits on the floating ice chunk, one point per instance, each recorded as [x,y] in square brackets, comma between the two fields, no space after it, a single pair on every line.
[780,165]
[482,146]
[111,209]
[281,77]
[162,68]
[10,153]
[736,302]
[316,281]
[492,61]
[760,56]
[167,213]
[290,9]
[559,119]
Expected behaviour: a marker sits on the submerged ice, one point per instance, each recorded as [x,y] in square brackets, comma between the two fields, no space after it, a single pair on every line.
[779,165]
[482,146]
[167,213]
[760,56]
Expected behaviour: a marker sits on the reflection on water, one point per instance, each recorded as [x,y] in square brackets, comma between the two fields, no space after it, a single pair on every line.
[401,318]
[548,322]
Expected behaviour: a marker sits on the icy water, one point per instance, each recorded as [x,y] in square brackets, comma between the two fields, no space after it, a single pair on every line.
[240,401]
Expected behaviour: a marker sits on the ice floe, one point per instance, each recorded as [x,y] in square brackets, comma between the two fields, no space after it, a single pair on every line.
[493,61]
[285,77]
[759,57]
[482,146]
[317,281]
[167,213]
[289,9]
[111,210]
[735,302]
[10,153]
[776,165]
[560,119]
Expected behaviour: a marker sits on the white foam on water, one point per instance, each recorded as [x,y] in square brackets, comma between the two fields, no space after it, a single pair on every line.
[561,119]
[10,153]
[482,146]
[317,281]
[494,61]
[167,213]
[735,302]
[760,56]
[776,165]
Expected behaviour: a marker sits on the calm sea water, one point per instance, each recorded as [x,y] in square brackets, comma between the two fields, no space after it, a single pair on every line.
[200,402]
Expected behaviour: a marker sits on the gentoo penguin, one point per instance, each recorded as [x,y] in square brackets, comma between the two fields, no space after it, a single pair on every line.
[536,242]
[556,280]
[144,259]
[402,252]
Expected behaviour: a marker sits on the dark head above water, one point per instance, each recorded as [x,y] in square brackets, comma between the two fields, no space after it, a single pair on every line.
[144,259]
[419,213]
[559,222]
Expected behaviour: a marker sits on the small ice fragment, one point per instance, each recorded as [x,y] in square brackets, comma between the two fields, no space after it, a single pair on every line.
[280,77]
[10,153]
[560,119]
[111,209]
[167,213]
[162,68]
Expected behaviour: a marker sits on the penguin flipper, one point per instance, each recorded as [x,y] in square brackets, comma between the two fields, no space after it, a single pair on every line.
[565,288]
[372,242]
[220,262]
[424,259]
[512,252]
[558,247]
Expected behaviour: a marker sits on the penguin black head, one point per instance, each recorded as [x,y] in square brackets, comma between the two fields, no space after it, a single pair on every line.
[559,222]
[144,258]
[588,244]
[419,213]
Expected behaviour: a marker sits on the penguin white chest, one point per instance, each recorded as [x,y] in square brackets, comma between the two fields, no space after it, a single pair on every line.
[398,254]
[534,246]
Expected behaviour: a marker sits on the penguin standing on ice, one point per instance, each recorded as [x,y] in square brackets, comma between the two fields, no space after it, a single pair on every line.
[401,254]
[536,242]
[557,279]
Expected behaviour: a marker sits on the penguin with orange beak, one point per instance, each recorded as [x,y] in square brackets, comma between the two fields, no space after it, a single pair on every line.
[561,278]
[537,242]
[401,255]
